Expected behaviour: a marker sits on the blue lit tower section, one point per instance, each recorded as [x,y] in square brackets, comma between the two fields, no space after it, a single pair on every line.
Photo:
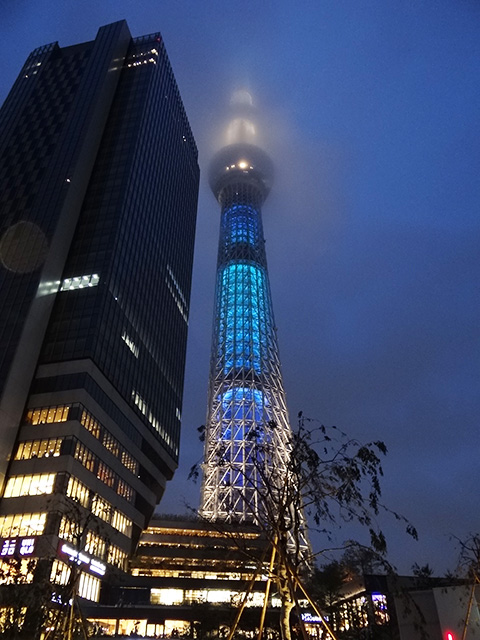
[246,405]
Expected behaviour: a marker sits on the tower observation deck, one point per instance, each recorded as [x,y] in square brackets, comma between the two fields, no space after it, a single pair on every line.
[247,429]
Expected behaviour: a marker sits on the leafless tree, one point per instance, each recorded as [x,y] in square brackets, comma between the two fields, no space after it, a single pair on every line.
[327,480]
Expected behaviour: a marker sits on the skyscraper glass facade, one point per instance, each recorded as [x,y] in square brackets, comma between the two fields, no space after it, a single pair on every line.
[99,192]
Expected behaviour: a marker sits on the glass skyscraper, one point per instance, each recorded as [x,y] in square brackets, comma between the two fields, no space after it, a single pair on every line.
[99,184]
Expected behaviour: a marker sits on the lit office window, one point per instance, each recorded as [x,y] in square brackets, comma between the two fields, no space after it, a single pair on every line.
[17,572]
[95,545]
[39,449]
[380,608]
[129,462]
[116,556]
[125,490]
[69,530]
[22,524]
[102,509]
[45,415]
[122,523]
[80,282]
[167,597]
[84,456]
[105,474]
[30,485]
[111,443]
[78,491]
[89,587]
[130,344]
[90,424]
[60,573]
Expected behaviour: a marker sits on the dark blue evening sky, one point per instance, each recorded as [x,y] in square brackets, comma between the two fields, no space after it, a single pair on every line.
[371,109]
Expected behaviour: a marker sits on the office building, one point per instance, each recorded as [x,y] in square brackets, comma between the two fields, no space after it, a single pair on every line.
[188,579]
[99,184]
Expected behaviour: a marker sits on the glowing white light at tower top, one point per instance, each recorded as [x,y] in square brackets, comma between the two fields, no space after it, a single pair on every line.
[241,130]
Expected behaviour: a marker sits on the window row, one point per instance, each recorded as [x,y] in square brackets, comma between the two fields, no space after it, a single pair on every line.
[39,449]
[117,557]
[109,442]
[14,572]
[74,531]
[43,483]
[51,447]
[33,524]
[30,485]
[88,586]
[61,413]
[99,507]
[22,524]
[47,415]
[103,472]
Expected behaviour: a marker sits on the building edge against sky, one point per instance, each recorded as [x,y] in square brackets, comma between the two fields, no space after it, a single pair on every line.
[98,203]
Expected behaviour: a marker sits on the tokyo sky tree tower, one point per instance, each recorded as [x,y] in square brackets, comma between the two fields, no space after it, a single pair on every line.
[247,430]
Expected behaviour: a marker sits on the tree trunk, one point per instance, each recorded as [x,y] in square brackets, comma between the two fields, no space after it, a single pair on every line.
[287,600]
[285,632]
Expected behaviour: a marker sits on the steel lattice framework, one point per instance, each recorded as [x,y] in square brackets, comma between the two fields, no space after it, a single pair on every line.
[247,430]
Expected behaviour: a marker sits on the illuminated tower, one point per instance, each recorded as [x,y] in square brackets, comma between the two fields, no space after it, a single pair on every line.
[247,430]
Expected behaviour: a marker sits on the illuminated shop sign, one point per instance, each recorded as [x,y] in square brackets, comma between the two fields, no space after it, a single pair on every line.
[308,617]
[17,547]
[80,557]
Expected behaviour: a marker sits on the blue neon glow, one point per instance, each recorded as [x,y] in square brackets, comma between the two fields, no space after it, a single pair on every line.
[242,404]
[241,408]
[241,224]
[244,316]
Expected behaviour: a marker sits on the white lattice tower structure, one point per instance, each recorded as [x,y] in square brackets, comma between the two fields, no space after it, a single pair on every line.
[247,430]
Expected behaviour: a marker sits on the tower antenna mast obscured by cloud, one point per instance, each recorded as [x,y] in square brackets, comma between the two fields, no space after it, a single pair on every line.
[247,429]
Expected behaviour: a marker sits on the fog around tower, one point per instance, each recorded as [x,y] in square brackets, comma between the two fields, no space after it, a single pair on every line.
[242,127]
[239,121]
